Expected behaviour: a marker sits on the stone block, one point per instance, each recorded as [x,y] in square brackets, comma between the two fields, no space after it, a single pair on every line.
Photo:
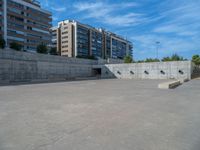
[169,85]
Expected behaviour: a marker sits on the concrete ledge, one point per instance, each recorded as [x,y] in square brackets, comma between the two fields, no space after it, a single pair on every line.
[184,80]
[169,85]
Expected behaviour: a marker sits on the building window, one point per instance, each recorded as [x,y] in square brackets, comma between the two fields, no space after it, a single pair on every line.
[65,32]
[64,37]
[15,25]
[64,42]
[15,18]
[64,46]
[29,28]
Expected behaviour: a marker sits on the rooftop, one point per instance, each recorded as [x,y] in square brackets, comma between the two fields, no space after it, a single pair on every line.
[35,2]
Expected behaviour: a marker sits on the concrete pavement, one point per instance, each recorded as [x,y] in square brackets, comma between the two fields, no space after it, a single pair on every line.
[100,115]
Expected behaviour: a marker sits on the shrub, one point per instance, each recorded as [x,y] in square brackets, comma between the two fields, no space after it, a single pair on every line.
[42,48]
[2,43]
[166,59]
[128,59]
[53,51]
[174,57]
[140,61]
[16,46]
[152,60]
[87,57]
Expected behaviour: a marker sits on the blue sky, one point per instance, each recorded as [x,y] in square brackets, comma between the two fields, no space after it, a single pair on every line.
[174,23]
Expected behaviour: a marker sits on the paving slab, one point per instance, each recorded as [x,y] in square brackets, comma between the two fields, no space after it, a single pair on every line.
[100,115]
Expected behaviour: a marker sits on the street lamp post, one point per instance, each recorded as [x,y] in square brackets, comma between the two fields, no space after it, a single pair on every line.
[157,46]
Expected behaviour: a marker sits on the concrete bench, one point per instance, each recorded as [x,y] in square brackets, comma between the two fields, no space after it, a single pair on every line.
[169,85]
[184,80]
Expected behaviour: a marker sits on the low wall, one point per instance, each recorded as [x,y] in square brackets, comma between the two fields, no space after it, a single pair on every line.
[30,67]
[158,70]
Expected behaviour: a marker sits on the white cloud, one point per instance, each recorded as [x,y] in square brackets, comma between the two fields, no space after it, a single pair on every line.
[176,29]
[59,9]
[107,13]
[81,6]
[87,6]
[181,18]
[55,18]
[124,20]
[175,24]
[46,4]
[146,44]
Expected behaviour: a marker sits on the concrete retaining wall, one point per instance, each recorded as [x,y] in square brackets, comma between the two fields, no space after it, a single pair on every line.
[110,61]
[196,71]
[158,70]
[32,67]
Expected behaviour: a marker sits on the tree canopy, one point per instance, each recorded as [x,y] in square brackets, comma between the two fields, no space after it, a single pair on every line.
[42,48]
[53,51]
[174,57]
[128,59]
[196,59]
[152,60]
[16,46]
[2,43]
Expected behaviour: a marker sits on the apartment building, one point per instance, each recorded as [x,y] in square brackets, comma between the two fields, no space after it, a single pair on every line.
[25,22]
[75,39]
[65,43]
[1,18]
[53,32]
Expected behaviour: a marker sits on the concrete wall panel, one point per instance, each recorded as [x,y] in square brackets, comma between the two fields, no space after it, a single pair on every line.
[158,70]
[27,67]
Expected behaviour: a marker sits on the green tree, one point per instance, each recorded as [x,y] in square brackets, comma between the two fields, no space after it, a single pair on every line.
[196,59]
[2,43]
[53,51]
[16,46]
[166,59]
[140,61]
[42,48]
[128,59]
[152,60]
[176,57]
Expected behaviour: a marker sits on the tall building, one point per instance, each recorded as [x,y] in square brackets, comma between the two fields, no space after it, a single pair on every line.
[25,22]
[53,31]
[74,39]
[1,18]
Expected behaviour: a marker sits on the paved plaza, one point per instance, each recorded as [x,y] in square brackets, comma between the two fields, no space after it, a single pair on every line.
[100,115]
